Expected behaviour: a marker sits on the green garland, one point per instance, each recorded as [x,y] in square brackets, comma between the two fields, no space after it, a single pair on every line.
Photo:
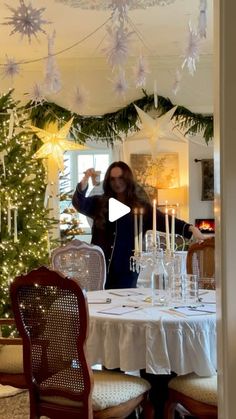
[110,126]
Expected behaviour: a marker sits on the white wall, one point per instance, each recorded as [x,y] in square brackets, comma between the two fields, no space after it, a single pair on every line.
[198,208]
[191,206]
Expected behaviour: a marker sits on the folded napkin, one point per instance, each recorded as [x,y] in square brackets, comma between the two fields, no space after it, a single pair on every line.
[125,293]
[192,310]
[99,300]
[119,310]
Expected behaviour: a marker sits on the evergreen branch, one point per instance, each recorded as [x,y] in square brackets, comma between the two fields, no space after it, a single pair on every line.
[110,126]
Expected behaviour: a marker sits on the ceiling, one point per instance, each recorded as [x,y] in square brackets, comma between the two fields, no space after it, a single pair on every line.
[160,34]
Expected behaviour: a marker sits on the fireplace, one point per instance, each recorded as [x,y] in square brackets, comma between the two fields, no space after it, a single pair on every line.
[205,225]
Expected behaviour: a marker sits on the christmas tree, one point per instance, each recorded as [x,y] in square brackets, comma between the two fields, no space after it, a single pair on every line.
[24,220]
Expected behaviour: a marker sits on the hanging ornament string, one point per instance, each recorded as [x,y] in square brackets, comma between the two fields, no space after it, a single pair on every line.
[22,62]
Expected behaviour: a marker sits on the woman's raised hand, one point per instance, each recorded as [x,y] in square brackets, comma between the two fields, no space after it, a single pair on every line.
[87,174]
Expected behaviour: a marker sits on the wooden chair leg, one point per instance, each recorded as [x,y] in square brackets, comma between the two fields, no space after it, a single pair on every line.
[148,409]
[169,410]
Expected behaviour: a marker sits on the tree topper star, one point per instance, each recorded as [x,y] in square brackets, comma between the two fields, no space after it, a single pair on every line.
[55,143]
[156,129]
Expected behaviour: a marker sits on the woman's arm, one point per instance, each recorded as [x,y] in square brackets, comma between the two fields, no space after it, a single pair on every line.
[181,227]
[84,205]
[196,233]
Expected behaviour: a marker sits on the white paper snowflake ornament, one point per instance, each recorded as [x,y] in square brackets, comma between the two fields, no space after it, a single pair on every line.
[120,84]
[192,50]
[52,80]
[118,45]
[37,94]
[26,20]
[79,99]
[11,68]
[176,84]
[141,70]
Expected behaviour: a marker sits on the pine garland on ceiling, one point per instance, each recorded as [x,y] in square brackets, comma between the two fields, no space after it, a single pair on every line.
[110,126]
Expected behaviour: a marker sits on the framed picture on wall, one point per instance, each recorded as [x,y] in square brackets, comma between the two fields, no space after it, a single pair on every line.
[156,173]
[207,179]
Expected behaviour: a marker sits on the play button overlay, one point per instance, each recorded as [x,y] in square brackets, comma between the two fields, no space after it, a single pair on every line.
[116,209]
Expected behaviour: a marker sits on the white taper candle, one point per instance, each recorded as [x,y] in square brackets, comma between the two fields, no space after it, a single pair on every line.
[173,230]
[15,225]
[9,217]
[141,230]
[154,222]
[167,230]
[136,244]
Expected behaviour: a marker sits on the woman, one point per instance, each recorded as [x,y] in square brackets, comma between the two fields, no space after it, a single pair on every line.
[117,238]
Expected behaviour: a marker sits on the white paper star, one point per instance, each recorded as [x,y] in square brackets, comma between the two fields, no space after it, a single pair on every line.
[156,129]
[55,143]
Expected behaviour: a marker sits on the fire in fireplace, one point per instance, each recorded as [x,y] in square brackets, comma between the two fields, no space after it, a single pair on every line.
[205,225]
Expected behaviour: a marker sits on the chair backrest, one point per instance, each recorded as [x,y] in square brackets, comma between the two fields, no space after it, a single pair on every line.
[179,241]
[161,240]
[201,262]
[82,261]
[51,315]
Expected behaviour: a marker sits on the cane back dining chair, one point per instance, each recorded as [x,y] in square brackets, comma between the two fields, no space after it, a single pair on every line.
[161,240]
[192,396]
[201,262]
[179,241]
[82,261]
[61,383]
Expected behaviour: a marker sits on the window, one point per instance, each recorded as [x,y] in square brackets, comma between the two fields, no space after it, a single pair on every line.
[75,165]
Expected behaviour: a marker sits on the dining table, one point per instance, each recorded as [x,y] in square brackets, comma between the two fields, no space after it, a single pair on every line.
[127,331]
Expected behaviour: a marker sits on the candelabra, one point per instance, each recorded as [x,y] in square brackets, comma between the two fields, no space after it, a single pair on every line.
[162,267]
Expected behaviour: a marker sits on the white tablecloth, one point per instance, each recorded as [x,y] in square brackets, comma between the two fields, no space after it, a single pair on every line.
[150,338]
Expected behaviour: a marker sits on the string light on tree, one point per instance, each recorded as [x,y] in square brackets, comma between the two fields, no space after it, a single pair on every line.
[24,220]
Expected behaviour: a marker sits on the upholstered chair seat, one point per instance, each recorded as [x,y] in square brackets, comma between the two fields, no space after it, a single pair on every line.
[110,389]
[198,395]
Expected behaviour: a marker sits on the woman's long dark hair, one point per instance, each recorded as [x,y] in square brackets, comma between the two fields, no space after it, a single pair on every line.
[135,196]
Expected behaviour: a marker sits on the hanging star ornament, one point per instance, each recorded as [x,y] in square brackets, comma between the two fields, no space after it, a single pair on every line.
[55,143]
[161,128]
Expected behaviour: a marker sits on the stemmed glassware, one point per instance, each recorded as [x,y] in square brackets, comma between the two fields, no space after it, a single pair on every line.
[167,280]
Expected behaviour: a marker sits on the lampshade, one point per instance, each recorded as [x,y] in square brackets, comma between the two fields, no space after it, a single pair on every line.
[172,195]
